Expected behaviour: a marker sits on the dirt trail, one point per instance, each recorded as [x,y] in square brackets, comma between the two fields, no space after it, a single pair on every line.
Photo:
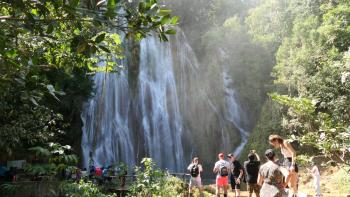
[245,194]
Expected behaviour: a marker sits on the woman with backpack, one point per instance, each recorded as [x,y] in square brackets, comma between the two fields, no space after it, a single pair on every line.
[289,161]
[195,170]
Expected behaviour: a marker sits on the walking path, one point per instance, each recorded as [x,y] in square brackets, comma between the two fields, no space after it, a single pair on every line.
[301,194]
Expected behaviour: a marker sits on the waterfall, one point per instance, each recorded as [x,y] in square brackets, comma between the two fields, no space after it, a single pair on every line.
[168,111]
[161,119]
[234,113]
[108,135]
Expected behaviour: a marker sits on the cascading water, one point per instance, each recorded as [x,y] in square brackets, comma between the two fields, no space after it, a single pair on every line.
[169,115]
[234,113]
[108,136]
[161,119]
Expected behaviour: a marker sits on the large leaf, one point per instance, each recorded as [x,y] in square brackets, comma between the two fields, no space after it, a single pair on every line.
[111,4]
[100,38]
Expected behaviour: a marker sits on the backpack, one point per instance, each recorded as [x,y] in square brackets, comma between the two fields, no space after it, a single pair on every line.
[223,170]
[252,168]
[195,171]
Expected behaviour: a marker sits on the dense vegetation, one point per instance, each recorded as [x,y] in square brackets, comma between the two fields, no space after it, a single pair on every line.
[310,40]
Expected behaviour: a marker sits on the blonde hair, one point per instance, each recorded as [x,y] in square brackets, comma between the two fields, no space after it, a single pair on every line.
[275,137]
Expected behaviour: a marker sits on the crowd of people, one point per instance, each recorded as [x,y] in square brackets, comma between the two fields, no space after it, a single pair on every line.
[275,178]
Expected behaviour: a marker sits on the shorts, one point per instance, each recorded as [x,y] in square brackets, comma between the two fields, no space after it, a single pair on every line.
[195,182]
[234,185]
[253,187]
[287,162]
[221,181]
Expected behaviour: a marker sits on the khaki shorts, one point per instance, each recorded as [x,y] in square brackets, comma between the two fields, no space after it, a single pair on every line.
[195,182]
[253,187]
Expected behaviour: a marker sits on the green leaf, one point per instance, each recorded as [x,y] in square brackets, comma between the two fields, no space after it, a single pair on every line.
[81,47]
[174,20]
[111,4]
[30,17]
[50,29]
[116,38]
[170,31]
[100,38]
[34,12]
[163,12]
[104,49]
[33,101]
[165,19]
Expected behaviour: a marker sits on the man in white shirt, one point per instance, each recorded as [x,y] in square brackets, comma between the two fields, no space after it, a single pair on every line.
[195,170]
[221,169]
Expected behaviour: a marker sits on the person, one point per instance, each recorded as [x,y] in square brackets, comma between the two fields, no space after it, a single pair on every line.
[92,171]
[289,161]
[195,170]
[78,174]
[316,176]
[84,173]
[271,177]
[221,169]
[251,167]
[235,175]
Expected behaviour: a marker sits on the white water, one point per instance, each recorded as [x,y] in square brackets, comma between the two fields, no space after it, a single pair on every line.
[124,125]
[161,119]
[107,131]
[234,113]
[106,126]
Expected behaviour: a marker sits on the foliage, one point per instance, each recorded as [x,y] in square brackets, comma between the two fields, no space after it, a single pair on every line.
[47,51]
[269,22]
[54,159]
[312,63]
[82,188]
[269,122]
[173,186]
[151,181]
[122,169]
[315,129]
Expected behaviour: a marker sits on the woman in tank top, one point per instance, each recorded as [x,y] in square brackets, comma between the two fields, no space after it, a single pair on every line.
[289,161]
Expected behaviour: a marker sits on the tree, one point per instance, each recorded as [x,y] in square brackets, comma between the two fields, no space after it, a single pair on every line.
[47,50]
[312,65]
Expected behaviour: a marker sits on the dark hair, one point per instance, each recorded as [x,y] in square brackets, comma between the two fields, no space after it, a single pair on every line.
[270,154]
[251,156]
